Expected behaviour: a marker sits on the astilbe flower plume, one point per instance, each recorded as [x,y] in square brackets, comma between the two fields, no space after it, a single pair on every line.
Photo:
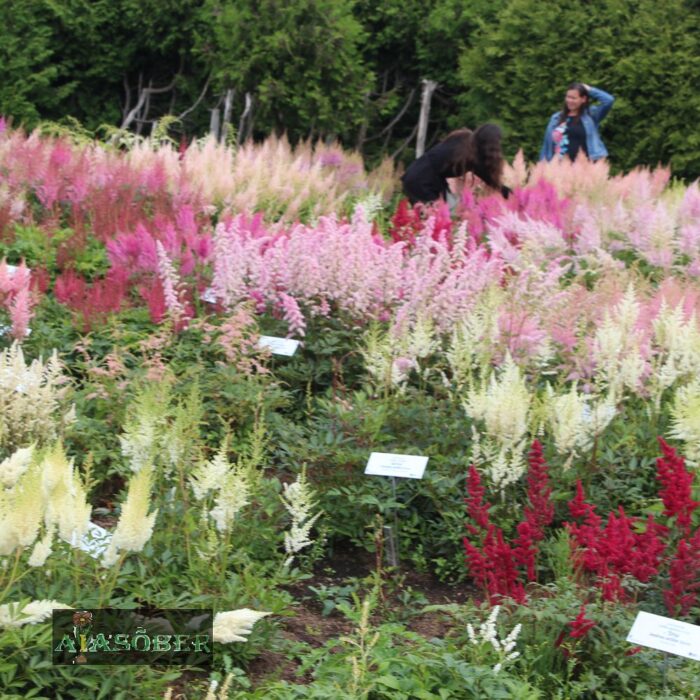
[615,550]
[684,577]
[491,561]
[581,625]
[677,483]
[538,514]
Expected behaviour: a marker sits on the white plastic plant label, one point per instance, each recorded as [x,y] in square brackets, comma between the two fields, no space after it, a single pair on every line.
[666,634]
[279,346]
[389,464]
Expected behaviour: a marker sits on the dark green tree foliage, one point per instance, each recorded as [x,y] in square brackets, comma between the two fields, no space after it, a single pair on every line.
[644,52]
[107,49]
[25,57]
[299,60]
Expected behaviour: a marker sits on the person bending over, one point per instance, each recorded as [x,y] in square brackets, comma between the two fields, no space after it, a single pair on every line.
[574,128]
[461,152]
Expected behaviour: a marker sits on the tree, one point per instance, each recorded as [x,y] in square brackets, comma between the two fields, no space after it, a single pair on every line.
[25,57]
[299,59]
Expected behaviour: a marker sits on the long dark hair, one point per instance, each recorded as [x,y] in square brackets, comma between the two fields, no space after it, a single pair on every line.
[478,152]
[583,92]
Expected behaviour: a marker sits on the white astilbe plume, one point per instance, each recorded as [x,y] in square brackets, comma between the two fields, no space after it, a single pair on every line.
[235,625]
[135,525]
[503,650]
[209,476]
[31,400]
[42,549]
[575,422]
[503,405]
[299,500]
[31,614]
[231,498]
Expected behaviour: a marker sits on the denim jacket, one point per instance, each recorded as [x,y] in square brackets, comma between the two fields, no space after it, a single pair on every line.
[590,118]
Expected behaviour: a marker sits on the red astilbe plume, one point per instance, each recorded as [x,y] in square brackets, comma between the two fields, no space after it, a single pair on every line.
[684,576]
[477,508]
[502,573]
[493,564]
[538,514]
[581,625]
[677,483]
[615,550]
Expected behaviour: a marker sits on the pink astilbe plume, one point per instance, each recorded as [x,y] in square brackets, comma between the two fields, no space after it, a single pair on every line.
[171,285]
[91,302]
[16,297]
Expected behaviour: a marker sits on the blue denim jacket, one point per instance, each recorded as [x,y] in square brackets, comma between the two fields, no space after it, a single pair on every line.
[590,118]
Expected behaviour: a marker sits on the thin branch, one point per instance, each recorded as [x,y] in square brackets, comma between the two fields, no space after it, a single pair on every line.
[144,97]
[199,99]
[396,119]
[396,153]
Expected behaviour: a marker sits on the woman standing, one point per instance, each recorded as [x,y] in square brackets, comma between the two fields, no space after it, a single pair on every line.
[461,152]
[575,127]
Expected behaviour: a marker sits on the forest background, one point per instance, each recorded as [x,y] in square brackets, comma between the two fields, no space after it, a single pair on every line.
[352,69]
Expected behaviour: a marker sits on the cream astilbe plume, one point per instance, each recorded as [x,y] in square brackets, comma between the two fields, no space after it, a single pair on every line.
[566,419]
[235,625]
[135,525]
[64,495]
[48,491]
[23,510]
[15,465]
[503,405]
[11,615]
[143,430]
[31,399]
[210,474]
[685,424]
[299,500]
[678,341]
[616,346]
[42,549]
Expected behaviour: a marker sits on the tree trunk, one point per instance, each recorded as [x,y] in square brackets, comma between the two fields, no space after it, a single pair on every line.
[242,136]
[214,122]
[226,122]
[427,95]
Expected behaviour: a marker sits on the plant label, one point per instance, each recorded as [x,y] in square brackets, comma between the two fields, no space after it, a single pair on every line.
[95,540]
[279,346]
[666,634]
[208,295]
[404,466]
